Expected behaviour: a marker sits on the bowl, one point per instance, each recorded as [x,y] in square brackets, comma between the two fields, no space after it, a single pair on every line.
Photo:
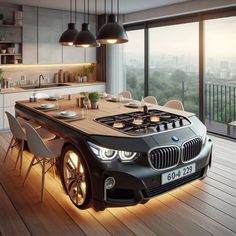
[11,50]
[3,51]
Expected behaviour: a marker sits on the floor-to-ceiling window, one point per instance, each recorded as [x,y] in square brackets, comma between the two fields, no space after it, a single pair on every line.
[220,75]
[191,58]
[134,63]
[173,64]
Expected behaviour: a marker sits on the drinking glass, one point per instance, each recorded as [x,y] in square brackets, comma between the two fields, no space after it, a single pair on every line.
[86,105]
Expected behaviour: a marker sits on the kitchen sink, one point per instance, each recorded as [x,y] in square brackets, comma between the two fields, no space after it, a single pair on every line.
[44,86]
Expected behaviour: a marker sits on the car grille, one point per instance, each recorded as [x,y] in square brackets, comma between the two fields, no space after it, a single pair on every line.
[165,157]
[158,189]
[191,149]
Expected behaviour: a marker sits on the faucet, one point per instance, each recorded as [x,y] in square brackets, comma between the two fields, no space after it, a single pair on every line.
[40,78]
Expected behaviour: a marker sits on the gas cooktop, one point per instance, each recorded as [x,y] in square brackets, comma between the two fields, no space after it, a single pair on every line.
[144,122]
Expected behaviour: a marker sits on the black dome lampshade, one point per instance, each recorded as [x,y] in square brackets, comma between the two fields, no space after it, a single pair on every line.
[112,32]
[85,38]
[68,36]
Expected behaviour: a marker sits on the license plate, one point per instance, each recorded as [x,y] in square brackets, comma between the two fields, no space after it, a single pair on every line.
[178,173]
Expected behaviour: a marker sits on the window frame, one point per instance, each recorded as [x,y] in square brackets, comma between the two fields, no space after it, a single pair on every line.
[199,17]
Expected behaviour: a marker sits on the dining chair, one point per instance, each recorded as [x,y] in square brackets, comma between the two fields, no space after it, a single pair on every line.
[150,99]
[175,104]
[19,137]
[125,94]
[43,152]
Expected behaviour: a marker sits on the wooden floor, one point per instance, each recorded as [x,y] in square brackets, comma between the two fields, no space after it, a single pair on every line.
[199,208]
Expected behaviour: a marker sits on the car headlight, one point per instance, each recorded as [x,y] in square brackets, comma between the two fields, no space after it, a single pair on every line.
[127,156]
[204,138]
[106,154]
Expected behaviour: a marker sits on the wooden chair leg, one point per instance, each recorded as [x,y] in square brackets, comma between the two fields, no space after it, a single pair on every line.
[18,157]
[8,149]
[43,180]
[21,154]
[30,166]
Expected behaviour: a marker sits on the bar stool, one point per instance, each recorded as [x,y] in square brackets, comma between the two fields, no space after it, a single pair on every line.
[125,94]
[43,152]
[19,137]
[175,104]
[150,99]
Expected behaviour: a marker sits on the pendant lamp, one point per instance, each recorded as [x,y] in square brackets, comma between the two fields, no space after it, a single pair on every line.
[112,32]
[85,38]
[68,36]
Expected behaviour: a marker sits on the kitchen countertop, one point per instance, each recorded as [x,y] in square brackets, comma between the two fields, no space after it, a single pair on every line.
[89,126]
[18,89]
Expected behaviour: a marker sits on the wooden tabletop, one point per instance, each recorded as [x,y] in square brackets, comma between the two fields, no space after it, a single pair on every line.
[88,125]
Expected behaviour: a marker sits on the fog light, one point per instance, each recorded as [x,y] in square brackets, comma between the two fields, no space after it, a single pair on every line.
[109,183]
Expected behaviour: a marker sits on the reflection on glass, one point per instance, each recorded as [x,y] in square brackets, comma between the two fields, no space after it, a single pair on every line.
[220,75]
[134,63]
[173,64]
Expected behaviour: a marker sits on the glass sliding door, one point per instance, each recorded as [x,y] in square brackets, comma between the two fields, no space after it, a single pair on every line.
[220,75]
[174,64]
[134,63]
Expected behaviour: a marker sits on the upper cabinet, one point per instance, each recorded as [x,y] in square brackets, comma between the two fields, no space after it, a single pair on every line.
[49,32]
[42,29]
[72,54]
[90,53]
[10,34]
[30,34]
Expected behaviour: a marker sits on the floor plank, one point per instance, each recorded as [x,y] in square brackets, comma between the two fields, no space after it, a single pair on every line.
[11,222]
[201,208]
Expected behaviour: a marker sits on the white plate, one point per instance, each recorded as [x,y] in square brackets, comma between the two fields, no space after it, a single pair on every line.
[132,104]
[67,114]
[47,105]
[178,173]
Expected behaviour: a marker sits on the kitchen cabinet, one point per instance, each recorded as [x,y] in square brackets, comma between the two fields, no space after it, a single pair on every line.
[1,111]
[90,53]
[7,100]
[49,32]
[72,54]
[11,42]
[30,35]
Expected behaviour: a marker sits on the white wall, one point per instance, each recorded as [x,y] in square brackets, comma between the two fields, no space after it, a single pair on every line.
[177,9]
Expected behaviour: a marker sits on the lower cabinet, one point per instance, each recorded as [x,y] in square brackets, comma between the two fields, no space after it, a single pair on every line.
[7,101]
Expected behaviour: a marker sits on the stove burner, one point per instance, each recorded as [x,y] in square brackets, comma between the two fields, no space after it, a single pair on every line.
[139,122]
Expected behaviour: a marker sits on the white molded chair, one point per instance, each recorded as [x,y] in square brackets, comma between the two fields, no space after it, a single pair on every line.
[176,104]
[125,94]
[19,137]
[43,152]
[150,99]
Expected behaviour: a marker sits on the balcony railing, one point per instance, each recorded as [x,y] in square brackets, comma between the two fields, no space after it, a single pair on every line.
[220,103]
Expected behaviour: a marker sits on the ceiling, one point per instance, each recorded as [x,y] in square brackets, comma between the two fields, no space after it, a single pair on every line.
[126,6]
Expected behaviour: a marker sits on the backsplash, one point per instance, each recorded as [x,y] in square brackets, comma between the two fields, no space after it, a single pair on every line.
[29,74]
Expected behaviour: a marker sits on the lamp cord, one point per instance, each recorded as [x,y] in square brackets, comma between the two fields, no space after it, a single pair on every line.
[70,10]
[118,10]
[75,10]
[88,11]
[111,6]
[84,11]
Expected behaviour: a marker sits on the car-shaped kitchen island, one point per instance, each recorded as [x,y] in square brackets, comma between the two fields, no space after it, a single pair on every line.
[119,155]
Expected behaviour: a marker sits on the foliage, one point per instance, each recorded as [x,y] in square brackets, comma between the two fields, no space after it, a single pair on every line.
[93,96]
[1,75]
[89,69]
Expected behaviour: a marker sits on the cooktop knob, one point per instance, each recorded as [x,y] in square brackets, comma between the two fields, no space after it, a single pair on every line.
[158,128]
[165,126]
[173,124]
[181,121]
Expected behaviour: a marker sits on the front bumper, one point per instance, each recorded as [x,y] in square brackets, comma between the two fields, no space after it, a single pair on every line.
[137,183]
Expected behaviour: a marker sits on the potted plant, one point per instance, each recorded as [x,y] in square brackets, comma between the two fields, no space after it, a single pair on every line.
[1,18]
[88,71]
[1,79]
[94,97]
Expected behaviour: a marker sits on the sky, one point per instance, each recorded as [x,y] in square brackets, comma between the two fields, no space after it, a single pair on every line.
[220,39]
